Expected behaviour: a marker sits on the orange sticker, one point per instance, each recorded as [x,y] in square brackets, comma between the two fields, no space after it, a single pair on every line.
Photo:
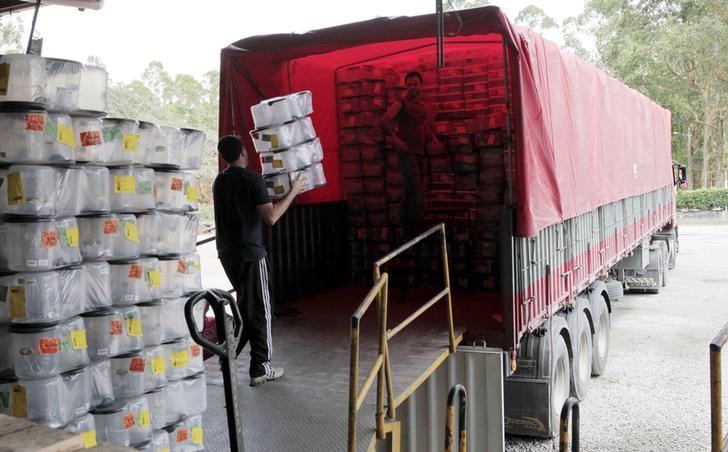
[182,435]
[136,364]
[135,271]
[177,184]
[48,346]
[92,138]
[116,327]
[181,266]
[111,226]
[128,421]
[49,239]
[195,350]
[34,122]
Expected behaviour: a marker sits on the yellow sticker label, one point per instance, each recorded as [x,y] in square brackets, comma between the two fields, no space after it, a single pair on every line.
[134,327]
[277,164]
[4,78]
[72,236]
[17,302]
[197,435]
[144,419]
[131,232]
[18,402]
[124,184]
[192,194]
[65,136]
[158,365]
[89,439]
[16,194]
[166,449]
[130,142]
[78,339]
[180,359]
[155,278]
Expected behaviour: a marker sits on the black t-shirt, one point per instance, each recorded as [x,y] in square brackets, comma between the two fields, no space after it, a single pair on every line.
[239,227]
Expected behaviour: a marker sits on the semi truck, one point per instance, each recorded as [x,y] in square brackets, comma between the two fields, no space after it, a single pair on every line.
[555,186]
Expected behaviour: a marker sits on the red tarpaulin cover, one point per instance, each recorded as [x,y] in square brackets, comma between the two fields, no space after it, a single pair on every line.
[581,138]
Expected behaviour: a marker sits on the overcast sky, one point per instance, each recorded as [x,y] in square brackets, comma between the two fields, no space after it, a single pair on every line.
[187,36]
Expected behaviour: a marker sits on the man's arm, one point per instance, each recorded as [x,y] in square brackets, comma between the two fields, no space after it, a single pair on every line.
[271,213]
[388,124]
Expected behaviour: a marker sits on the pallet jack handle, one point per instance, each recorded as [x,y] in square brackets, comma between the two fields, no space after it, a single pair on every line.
[229,329]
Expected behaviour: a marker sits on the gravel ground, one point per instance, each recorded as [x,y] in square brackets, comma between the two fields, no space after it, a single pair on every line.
[655,393]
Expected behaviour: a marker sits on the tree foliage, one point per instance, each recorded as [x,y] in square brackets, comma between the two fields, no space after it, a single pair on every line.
[11,34]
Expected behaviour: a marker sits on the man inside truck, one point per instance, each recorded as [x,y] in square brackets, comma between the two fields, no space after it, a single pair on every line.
[408,124]
[242,204]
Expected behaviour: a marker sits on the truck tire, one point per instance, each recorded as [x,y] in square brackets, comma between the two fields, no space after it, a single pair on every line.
[655,269]
[560,382]
[615,290]
[600,350]
[582,360]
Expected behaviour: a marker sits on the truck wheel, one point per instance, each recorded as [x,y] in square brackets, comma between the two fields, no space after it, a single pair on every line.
[582,361]
[615,290]
[560,382]
[600,350]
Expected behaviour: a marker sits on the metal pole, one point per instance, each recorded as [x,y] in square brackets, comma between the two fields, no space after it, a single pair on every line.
[446,269]
[570,404]
[353,382]
[716,400]
[382,349]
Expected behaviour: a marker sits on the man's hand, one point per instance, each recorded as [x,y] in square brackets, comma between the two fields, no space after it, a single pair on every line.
[399,145]
[299,182]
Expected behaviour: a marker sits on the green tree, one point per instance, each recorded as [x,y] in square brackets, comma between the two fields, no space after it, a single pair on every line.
[536,18]
[11,34]
[464,4]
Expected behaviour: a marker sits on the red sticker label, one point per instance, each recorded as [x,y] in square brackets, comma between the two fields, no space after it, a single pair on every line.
[177,184]
[135,271]
[116,327]
[181,266]
[49,239]
[48,346]
[136,364]
[34,122]
[92,138]
[128,421]
[111,226]
[182,435]
[195,350]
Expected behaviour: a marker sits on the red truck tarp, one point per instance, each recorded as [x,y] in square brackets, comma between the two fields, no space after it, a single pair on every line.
[581,138]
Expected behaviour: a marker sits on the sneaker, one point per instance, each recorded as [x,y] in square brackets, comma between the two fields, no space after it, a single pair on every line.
[271,374]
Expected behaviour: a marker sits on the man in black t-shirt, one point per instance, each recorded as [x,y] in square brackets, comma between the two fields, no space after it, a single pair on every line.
[242,205]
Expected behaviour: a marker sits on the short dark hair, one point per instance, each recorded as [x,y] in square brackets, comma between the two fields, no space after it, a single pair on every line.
[230,148]
[414,74]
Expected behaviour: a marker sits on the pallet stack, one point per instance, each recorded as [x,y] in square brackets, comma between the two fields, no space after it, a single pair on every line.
[465,179]
[97,242]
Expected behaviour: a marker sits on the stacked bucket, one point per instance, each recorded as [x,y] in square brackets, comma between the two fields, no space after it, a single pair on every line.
[286,142]
[97,246]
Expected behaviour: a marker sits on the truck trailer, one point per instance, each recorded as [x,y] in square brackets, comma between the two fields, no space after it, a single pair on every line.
[555,186]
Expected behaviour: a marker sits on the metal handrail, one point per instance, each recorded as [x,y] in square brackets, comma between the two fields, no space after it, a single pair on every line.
[382,368]
[570,406]
[717,440]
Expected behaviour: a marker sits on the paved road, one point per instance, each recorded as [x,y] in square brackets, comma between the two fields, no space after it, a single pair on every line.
[655,393]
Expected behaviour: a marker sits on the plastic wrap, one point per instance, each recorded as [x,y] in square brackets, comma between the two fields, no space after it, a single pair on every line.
[191,190]
[132,189]
[149,232]
[97,285]
[157,400]
[160,441]
[121,141]
[41,297]
[113,423]
[85,426]
[152,322]
[141,431]
[178,233]
[279,185]
[135,281]
[278,110]
[30,190]
[36,137]
[175,404]
[126,243]
[170,188]
[193,143]
[93,89]
[45,351]
[97,235]
[62,85]
[25,82]
[191,273]
[42,244]
[173,318]
[167,151]
[195,391]
[177,358]
[172,272]
[196,364]
[283,136]
[155,373]
[89,139]
[111,332]
[293,158]
[127,374]
[197,437]
[102,387]
[95,197]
